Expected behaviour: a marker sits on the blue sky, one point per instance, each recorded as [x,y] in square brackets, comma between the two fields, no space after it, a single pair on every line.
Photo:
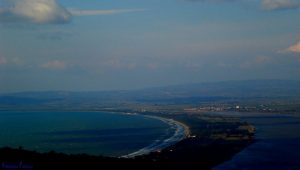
[128,44]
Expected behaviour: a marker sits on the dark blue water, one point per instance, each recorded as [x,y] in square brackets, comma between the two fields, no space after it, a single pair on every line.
[278,145]
[96,133]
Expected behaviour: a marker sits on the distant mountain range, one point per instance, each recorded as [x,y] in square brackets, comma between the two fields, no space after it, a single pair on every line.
[213,91]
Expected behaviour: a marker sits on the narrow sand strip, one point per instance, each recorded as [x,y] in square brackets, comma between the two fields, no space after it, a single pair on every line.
[182,131]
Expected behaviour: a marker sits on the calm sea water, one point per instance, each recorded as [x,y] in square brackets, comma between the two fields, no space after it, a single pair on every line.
[278,145]
[96,133]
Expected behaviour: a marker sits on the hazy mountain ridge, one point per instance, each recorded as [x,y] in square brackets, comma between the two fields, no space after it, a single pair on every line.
[247,88]
[179,93]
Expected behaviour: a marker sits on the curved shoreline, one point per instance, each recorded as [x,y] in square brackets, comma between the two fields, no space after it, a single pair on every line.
[182,131]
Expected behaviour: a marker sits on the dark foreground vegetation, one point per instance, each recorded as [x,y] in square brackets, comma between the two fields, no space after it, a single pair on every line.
[187,154]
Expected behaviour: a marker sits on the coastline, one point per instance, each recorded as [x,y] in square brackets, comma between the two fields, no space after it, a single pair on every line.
[180,151]
[182,131]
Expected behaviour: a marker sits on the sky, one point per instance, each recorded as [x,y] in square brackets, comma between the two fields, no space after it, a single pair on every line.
[80,45]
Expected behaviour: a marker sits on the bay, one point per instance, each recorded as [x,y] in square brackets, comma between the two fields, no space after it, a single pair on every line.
[94,133]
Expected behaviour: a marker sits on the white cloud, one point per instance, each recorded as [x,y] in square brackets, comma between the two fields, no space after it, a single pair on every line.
[294,48]
[33,11]
[47,11]
[55,65]
[79,12]
[270,5]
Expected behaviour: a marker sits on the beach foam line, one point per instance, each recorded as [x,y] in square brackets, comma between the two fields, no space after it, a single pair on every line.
[182,131]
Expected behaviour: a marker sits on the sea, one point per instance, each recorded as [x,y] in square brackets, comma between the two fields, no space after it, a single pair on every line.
[277,145]
[93,133]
